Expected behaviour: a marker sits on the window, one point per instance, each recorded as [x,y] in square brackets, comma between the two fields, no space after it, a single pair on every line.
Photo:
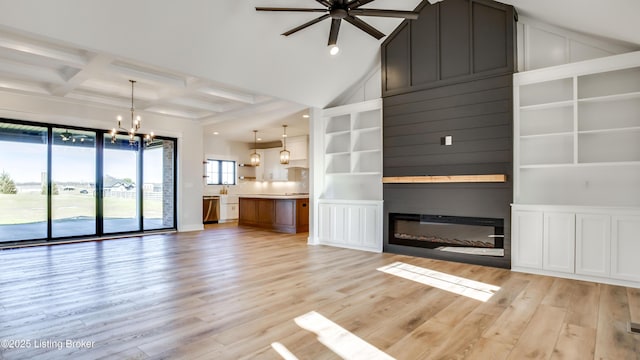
[65,182]
[221,172]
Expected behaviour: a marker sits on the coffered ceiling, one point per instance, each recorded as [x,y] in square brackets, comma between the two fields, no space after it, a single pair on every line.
[31,65]
[221,62]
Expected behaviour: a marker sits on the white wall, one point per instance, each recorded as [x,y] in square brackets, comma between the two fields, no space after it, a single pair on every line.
[367,88]
[542,45]
[189,134]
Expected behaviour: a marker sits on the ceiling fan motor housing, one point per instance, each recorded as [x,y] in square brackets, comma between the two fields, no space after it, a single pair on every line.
[338,13]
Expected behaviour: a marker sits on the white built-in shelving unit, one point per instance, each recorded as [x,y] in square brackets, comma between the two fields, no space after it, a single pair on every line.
[577,169]
[350,206]
[353,151]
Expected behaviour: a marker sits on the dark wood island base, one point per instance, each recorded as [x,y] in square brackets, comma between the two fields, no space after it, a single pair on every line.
[285,214]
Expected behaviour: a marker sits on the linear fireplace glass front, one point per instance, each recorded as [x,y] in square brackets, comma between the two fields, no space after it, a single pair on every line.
[466,235]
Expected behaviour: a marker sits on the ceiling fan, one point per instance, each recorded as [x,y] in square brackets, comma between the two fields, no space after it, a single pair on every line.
[346,10]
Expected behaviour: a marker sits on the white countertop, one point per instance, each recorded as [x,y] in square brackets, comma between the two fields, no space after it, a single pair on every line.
[275,196]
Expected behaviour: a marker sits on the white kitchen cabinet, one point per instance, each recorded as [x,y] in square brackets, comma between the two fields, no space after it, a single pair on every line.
[559,242]
[299,148]
[229,207]
[625,241]
[271,167]
[527,227]
[593,244]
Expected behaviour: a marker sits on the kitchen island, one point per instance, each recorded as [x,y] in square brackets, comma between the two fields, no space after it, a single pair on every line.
[282,213]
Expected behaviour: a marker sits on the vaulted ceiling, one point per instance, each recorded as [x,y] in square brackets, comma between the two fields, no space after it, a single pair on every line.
[220,61]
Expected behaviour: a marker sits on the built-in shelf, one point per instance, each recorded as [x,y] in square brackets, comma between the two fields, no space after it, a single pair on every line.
[607,98]
[576,210]
[340,132]
[586,164]
[545,135]
[611,130]
[490,178]
[338,153]
[352,143]
[577,133]
[551,105]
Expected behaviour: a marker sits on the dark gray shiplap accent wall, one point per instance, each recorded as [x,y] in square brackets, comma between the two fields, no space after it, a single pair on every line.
[449,73]
[478,116]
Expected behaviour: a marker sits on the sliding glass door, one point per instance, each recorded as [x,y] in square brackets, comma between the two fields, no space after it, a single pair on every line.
[121,184]
[23,182]
[66,182]
[73,175]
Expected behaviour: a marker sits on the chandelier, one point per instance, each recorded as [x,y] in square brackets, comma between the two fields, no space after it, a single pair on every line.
[284,154]
[136,123]
[67,136]
[255,157]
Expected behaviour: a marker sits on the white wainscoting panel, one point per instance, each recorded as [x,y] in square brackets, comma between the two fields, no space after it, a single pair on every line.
[351,224]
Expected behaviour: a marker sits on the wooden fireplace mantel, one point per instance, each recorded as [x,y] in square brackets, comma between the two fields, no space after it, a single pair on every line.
[490,178]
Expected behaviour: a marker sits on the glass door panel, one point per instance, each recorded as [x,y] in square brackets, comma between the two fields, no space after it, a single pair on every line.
[121,191]
[23,182]
[158,188]
[73,173]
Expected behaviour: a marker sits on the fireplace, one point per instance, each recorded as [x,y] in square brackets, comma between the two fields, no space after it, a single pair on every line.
[468,236]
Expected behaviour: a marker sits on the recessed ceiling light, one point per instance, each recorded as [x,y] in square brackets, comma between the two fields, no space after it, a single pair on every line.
[259,139]
[306,116]
[334,50]
[215,133]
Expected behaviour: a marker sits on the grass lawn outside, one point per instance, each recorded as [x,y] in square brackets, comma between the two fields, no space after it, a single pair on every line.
[32,207]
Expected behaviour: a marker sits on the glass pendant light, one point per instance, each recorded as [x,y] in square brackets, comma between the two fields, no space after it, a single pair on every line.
[255,157]
[284,154]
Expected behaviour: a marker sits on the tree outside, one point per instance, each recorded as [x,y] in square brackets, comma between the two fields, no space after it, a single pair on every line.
[7,185]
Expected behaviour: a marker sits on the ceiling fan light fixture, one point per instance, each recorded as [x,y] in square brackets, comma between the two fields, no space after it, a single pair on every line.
[334,50]
[347,10]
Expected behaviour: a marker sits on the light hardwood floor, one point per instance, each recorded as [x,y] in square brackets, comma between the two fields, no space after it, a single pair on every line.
[231,293]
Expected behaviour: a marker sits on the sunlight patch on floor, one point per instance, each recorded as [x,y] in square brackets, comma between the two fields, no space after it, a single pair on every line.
[455,284]
[344,343]
[283,351]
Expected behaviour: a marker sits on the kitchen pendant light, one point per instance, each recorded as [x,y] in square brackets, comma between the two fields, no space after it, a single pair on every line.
[255,157]
[284,154]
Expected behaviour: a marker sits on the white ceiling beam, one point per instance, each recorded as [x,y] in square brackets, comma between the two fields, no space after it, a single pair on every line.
[30,72]
[24,86]
[100,99]
[68,57]
[228,95]
[193,115]
[95,67]
[198,104]
[138,73]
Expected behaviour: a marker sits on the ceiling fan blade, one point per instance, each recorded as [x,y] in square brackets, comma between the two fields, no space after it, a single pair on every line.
[305,25]
[258,8]
[385,13]
[333,33]
[364,27]
[357,3]
[325,3]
